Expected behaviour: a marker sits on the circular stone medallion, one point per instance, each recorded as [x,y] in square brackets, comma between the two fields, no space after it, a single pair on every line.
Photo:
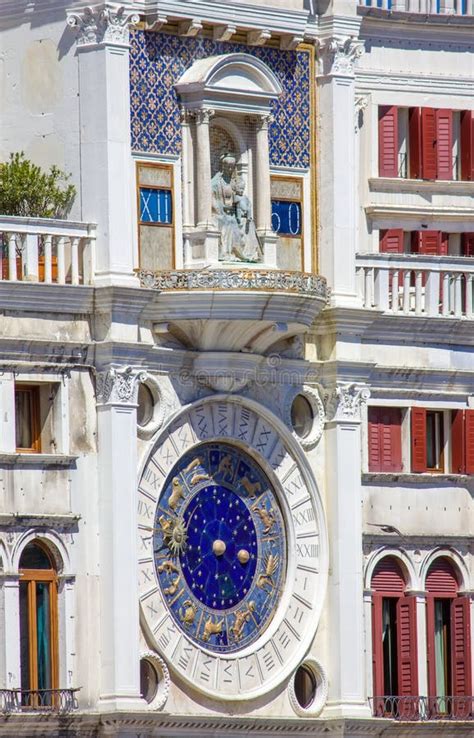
[220,547]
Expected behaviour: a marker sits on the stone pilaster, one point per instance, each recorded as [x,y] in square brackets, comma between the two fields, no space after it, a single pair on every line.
[104,101]
[347,689]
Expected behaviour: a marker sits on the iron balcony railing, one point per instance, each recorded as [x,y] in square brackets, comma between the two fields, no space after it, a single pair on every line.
[38,700]
[423,708]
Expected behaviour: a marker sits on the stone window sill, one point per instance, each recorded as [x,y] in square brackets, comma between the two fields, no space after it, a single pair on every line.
[425,478]
[18,459]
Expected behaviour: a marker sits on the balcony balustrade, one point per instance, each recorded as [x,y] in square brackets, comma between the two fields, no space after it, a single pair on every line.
[46,250]
[60,701]
[423,708]
[414,285]
[424,7]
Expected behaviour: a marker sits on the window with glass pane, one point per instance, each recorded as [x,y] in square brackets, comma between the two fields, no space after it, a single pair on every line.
[27,421]
[389,638]
[434,441]
[442,611]
[38,628]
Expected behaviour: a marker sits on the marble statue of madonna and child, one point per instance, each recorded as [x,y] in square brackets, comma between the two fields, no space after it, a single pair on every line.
[232,211]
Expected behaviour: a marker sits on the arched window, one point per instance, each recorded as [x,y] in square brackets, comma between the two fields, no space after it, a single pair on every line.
[394,652]
[448,634]
[38,626]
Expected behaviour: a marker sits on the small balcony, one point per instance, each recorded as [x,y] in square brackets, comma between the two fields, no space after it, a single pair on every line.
[46,250]
[56,701]
[423,708]
[421,7]
[417,286]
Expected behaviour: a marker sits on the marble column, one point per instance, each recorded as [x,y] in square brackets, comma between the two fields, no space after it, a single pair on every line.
[203,169]
[338,54]
[117,391]
[262,190]
[347,667]
[104,108]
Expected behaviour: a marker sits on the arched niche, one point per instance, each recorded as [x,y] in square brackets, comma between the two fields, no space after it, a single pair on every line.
[227,99]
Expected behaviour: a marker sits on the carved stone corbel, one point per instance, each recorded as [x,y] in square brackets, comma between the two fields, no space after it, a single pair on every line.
[105,23]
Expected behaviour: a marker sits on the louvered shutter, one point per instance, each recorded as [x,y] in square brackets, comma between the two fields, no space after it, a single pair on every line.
[418,439]
[467,244]
[428,143]
[467,145]
[458,463]
[407,647]
[387,578]
[441,579]
[469,436]
[375,460]
[377,654]
[391,439]
[430,645]
[430,243]
[414,142]
[461,646]
[388,141]
[444,144]
[391,241]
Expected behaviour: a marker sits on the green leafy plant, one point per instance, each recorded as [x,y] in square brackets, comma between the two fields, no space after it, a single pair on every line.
[29,191]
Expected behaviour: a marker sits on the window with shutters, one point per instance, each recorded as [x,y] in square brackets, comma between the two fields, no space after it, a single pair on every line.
[462,441]
[448,641]
[427,440]
[385,439]
[394,645]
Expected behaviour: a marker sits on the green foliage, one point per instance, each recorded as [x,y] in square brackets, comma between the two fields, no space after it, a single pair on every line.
[27,190]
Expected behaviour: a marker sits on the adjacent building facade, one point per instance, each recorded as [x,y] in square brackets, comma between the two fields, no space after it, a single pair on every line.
[236,389]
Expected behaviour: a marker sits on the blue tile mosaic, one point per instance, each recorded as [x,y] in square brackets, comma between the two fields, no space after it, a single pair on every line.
[157,61]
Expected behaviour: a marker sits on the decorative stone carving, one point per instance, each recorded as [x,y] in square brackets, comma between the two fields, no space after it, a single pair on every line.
[313,396]
[229,279]
[105,23]
[164,680]
[339,54]
[361,103]
[119,386]
[321,694]
[344,401]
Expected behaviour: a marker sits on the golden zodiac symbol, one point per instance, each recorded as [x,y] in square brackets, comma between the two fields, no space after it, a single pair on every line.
[176,494]
[266,579]
[241,617]
[188,614]
[252,488]
[171,590]
[168,567]
[198,476]
[211,628]
[266,516]
[174,534]
[193,464]
[226,466]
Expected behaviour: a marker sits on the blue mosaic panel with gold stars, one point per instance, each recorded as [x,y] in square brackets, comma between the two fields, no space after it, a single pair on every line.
[220,547]
[158,60]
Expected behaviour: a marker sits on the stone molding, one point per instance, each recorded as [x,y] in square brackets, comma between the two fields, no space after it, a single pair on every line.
[236,279]
[107,23]
[321,694]
[343,402]
[119,386]
[338,55]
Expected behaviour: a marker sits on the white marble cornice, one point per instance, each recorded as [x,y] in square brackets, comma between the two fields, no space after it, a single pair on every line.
[106,23]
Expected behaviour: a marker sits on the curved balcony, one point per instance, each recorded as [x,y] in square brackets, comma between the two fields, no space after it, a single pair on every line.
[243,303]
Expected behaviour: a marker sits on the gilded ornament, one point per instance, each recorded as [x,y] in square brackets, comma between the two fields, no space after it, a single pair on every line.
[241,617]
[252,488]
[187,613]
[176,494]
[266,516]
[212,628]
[266,579]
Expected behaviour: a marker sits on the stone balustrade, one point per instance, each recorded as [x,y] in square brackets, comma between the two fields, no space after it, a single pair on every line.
[409,284]
[46,250]
[425,7]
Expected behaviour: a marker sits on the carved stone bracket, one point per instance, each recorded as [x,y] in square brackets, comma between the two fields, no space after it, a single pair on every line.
[119,386]
[338,55]
[344,401]
[105,23]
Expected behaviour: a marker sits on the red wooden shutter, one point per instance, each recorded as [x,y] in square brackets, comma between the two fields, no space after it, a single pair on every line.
[391,241]
[430,645]
[430,243]
[388,141]
[441,579]
[391,439]
[407,647]
[414,142]
[467,144]
[428,143]
[461,646]
[375,461]
[458,461]
[469,436]
[444,144]
[418,439]
[377,651]
[388,578]
[467,244]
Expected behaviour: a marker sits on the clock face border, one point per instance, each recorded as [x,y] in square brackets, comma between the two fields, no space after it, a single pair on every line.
[268,661]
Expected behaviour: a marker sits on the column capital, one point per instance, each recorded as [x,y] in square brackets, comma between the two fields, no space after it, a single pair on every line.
[106,23]
[338,55]
[343,402]
[119,386]
[263,121]
[203,115]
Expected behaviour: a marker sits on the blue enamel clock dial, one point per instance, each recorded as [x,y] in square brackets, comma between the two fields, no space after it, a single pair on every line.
[220,547]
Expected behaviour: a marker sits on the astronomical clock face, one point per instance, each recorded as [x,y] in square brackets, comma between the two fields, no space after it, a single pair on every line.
[232,550]
[220,547]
